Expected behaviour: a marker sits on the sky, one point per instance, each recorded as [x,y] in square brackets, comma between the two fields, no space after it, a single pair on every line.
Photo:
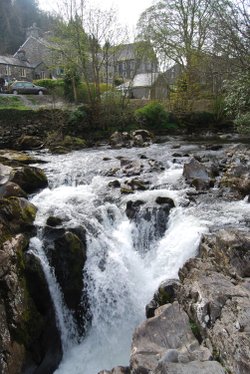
[128,10]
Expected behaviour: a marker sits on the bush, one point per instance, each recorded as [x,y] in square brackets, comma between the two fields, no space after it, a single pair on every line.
[237,96]
[153,116]
[242,122]
[54,86]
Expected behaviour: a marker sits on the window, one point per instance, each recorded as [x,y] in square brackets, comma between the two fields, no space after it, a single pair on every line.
[42,74]
[28,85]
[23,73]
[7,70]
[59,71]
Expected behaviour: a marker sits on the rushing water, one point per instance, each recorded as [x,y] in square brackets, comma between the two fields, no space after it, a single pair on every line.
[134,260]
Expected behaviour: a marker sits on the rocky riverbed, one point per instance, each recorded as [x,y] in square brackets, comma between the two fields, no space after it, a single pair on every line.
[195,324]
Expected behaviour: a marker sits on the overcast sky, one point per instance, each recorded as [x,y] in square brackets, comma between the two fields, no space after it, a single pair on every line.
[128,10]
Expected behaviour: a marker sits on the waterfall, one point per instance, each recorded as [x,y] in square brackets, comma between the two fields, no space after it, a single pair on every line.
[126,260]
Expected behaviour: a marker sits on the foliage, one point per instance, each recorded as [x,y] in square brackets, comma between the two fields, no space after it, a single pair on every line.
[237,96]
[152,116]
[219,108]
[243,122]
[49,83]
[15,17]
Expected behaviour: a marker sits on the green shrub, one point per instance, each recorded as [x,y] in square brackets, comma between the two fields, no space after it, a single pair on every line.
[54,86]
[237,96]
[153,116]
[219,108]
[77,116]
[242,122]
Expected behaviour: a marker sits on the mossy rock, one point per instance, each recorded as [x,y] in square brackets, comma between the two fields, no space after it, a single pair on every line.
[11,189]
[53,221]
[30,179]
[68,259]
[14,157]
[17,213]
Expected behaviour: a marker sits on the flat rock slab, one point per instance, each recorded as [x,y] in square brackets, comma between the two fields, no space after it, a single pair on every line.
[167,338]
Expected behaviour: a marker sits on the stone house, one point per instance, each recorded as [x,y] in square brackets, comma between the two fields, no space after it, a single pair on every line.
[15,68]
[32,60]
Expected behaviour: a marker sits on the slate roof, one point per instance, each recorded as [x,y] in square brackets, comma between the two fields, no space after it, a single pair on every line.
[8,60]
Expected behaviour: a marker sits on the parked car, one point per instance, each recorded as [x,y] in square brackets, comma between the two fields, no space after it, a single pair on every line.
[26,88]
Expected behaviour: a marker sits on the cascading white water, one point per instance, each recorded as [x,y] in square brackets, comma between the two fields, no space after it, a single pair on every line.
[63,316]
[120,279]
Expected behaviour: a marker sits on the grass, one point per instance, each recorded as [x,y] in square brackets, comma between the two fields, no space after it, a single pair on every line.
[12,102]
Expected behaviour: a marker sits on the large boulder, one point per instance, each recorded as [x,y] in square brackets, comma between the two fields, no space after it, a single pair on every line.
[30,179]
[166,338]
[197,175]
[137,138]
[5,172]
[68,259]
[11,189]
[150,220]
[20,323]
[217,297]
[17,215]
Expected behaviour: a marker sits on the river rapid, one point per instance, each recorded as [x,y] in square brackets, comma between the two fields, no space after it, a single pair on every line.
[126,262]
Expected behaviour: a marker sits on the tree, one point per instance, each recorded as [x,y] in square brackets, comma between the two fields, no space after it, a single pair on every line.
[232,32]
[178,29]
[86,41]
[15,17]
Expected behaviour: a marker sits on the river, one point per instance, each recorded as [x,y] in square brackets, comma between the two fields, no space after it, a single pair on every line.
[126,262]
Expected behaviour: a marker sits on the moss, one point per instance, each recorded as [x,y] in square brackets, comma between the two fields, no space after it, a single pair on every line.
[16,215]
[164,297]
[195,330]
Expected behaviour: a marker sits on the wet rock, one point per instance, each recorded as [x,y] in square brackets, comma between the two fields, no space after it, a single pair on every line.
[196,174]
[145,134]
[68,259]
[165,294]
[30,179]
[138,184]
[237,172]
[133,208]
[17,214]
[126,190]
[10,157]
[114,184]
[46,350]
[151,222]
[112,172]
[155,165]
[21,324]
[138,138]
[11,189]
[120,139]
[131,167]
[54,221]
[5,172]
[29,142]
[161,200]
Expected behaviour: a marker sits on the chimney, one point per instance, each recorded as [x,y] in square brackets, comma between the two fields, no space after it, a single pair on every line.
[21,55]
